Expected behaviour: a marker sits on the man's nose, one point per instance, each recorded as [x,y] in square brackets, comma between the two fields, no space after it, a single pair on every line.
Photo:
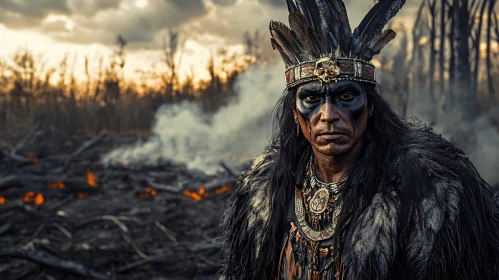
[329,112]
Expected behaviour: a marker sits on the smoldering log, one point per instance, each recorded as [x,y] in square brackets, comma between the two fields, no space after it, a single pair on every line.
[15,185]
[84,147]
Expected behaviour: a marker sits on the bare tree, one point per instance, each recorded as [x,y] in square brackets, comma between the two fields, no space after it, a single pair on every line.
[432,62]
[490,14]
[465,97]
[26,72]
[88,77]
[443,24]
[477,39]
[450,100]
[100,77]
[400,73]
[171,57]
[3,84]
[253,44]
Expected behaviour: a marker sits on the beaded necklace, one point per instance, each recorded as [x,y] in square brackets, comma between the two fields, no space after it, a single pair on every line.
[320,199]
[316,209]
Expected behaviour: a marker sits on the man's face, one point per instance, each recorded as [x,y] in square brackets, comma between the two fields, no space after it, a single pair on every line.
[333,117]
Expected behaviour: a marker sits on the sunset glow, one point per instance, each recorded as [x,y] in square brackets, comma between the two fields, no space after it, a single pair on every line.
[79,30]
[141,3]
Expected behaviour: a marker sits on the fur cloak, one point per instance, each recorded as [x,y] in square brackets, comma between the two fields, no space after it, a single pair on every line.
[433,217]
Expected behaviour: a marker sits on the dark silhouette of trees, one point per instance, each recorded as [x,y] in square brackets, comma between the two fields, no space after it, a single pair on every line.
[55,99]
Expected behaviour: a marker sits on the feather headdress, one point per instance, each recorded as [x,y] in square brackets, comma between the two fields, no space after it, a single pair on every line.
[319,44]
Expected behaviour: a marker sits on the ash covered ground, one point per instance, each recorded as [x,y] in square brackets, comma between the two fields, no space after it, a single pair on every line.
[65,215]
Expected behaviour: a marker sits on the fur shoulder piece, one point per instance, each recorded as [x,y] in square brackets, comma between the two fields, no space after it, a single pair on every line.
[434,218]
[245,220]
[453,229]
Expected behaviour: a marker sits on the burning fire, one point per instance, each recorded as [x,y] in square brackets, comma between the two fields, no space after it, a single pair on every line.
[197,196]
[148,193]
[35,160]
[223,190]
[202,193]
[57,185]
[91,179]
[38,199]
[32,197]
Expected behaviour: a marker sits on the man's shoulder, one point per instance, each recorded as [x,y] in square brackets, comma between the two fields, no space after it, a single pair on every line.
[258,170]
[444,202]
[437,176]
[418,142]
[429,153]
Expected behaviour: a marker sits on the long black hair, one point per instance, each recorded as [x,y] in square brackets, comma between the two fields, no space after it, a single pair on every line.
[383,127]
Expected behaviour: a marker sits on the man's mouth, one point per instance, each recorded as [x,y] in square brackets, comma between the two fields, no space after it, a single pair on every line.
[331,135]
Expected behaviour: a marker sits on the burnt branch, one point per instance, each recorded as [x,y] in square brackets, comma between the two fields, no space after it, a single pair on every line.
[51,261]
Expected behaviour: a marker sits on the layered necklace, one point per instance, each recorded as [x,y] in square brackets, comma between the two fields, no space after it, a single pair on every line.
[316,205]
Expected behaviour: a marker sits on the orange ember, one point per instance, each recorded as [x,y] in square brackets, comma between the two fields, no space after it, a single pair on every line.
[82,195]
[32,156]
[39,199]
[91,179]
[192,195]
[32,197]
[151,191]
[28,197]
[223,190]
[148,193]
[201,193]
[57,185]
[2,200]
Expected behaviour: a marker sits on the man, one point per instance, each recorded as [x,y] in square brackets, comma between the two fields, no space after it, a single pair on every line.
[348,190]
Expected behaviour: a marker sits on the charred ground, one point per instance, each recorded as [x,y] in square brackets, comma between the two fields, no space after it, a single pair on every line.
[63,215]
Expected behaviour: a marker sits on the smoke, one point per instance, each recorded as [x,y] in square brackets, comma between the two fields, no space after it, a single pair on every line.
[238,131]
[479,139]
[242,129]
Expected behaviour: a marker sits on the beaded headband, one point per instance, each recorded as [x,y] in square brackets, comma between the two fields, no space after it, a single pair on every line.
[329,69]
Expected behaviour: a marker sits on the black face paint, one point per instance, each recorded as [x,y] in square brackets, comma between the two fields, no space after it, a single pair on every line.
[348,96]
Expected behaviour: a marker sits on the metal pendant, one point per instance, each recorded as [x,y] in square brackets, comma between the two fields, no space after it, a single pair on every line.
[309,232]
[318,203]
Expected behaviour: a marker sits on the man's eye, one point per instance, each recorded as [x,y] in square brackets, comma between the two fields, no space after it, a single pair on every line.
[347,96]
[312,99]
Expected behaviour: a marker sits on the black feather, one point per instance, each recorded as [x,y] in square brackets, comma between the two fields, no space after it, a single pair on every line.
[325,44]
[355,43]
[309,9]
[315,41]
[286,40]
[300,26]
[333,41]
[383,39]
[374,22]
[327,23]
[291,6]
[378,16]
[287,60]
[343,24]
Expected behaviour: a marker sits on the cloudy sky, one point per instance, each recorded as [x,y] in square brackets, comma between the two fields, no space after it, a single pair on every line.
[52,28]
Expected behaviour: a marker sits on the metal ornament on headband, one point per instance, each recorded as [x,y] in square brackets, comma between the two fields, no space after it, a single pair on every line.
[328,70]
[319,44]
